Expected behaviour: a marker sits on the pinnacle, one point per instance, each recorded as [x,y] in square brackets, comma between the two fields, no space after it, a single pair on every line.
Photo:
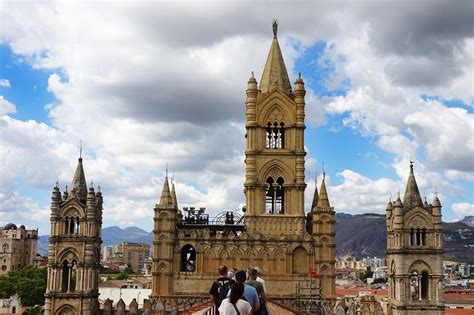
[323,200]
[166,199]
[412,196]
[78,184]
[275,74]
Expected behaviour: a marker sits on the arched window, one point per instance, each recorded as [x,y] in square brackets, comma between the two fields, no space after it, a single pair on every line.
[275,136]
[423,237]
[69,276]
[274,197]
[65,277]
[5,248]
[188,259]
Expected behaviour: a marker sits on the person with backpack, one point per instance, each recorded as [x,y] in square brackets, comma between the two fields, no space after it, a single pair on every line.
[220,287]
[235,304]
[250,294]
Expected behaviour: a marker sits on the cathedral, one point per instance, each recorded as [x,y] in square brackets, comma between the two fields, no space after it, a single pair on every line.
[294,248]
[274,233]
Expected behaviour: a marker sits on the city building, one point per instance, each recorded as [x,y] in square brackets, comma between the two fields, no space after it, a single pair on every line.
[133,254]
[108,252]
[274,233]
[74,249]
[415,253]
[11,305]
[17,247]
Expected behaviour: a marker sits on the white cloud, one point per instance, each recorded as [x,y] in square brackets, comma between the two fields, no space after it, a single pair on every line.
[4,83]
[6,107]
[143,86]
[463,209]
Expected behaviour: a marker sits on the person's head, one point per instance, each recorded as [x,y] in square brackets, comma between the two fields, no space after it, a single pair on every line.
[236,291]
[240,276]
[222,271]
[230,274]
[259,271]
[253,274]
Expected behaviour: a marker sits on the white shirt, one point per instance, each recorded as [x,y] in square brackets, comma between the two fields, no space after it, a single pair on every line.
[227,308]
[263,283]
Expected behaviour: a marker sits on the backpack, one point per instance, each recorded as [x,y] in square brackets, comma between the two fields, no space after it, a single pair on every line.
[223,288]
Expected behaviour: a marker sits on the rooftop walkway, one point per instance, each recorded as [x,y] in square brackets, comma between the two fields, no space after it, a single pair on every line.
[207,309]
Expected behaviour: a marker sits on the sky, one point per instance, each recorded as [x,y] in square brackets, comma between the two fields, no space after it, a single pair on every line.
[149,84]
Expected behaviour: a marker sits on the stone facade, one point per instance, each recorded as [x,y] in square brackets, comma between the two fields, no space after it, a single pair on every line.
[74,249]
[17,247]
[275,234]
[415,253]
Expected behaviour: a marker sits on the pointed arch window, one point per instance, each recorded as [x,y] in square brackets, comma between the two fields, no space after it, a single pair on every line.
[274,197]
[69,276]
[275,135]
[188,259]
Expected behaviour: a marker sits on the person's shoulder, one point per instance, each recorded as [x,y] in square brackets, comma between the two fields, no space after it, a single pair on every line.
[250,288]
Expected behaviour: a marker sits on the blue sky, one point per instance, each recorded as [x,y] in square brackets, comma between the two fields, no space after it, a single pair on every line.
[141,96]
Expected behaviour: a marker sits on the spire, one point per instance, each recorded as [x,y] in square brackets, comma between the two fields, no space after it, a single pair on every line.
[165,199]
[274,73]
[78,185]
[315,197]
[174,200]
[323,200]
[412,194]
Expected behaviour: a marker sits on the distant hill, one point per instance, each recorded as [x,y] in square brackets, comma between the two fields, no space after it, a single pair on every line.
[366,235]
[469,220]
[358,235]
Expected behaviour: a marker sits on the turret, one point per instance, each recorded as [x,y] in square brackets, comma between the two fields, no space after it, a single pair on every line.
[389,209]
[55,201]
[91,204]
[299,99]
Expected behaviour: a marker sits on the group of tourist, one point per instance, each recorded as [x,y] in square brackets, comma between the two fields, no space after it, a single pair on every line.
[237,292]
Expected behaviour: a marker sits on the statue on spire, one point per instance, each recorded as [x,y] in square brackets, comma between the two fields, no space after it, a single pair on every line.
[275,27]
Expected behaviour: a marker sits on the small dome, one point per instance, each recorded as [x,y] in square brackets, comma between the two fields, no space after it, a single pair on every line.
[10,226]
[22,226]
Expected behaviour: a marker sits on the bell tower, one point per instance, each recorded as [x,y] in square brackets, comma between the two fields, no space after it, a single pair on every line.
[274,156]
[74,247]
[415,253]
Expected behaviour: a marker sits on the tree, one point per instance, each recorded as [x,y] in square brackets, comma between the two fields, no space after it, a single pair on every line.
[29,282]
[35,310]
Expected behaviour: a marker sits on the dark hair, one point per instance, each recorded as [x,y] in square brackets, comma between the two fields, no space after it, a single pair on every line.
[223,270]
[253,273]
[240,276]
[236,292]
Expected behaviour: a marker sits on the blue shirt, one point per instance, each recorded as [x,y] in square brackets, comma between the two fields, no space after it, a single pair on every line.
[250,295]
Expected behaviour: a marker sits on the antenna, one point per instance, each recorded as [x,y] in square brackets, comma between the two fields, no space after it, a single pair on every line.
[166,169]
[80,150]
[324,172]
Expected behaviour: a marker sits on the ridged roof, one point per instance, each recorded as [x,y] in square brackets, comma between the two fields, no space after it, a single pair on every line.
[275,74]
[412,196]
[165,199]
[174,200]
[323,199]
[315,197]
[78,184]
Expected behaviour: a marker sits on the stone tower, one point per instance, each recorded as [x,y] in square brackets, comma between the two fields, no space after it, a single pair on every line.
[274,156]
[323,220]
[164,233]
[74,247]
[415,253]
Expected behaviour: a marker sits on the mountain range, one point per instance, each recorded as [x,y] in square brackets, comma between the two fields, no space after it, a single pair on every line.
[359,235]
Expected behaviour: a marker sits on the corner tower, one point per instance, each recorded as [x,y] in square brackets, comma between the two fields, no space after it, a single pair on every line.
[164,234]
[74,247]
[415,253]
[274,156]
[323,229]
